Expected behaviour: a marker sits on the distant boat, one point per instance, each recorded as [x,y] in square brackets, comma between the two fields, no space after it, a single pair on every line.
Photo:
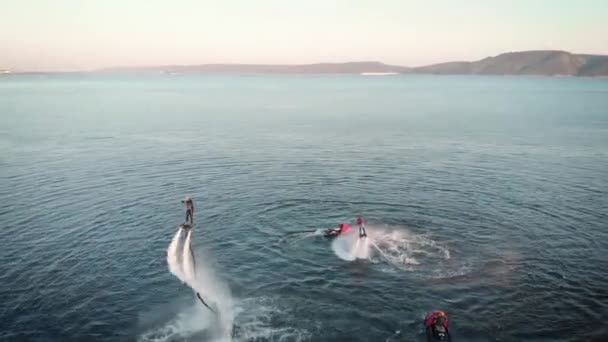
[4,72]
[378,73]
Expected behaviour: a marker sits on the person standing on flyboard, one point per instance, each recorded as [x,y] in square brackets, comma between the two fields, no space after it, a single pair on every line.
[362,231]
[189,212]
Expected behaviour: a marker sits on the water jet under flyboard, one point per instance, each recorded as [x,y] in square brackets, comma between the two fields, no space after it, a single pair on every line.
[209,290]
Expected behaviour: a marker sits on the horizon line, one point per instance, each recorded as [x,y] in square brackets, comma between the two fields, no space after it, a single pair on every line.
[144,66]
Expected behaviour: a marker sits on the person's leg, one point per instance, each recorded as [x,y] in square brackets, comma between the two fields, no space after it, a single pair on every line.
[188,216]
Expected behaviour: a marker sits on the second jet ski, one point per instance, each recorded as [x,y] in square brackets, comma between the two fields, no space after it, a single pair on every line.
[436,327]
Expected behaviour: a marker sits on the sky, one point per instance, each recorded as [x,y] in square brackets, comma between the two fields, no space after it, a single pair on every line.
[68,35]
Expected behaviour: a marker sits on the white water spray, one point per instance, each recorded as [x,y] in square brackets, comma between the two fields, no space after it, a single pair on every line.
[404,250]
[363,250]
[397,247]
[201,278]
[380,252]
[187,262]
[349,246]
[173,257]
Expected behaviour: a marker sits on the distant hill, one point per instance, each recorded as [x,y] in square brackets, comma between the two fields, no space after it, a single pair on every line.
[320,68]
[550,63]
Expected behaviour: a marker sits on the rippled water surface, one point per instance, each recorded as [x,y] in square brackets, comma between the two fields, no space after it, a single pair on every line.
[486,197]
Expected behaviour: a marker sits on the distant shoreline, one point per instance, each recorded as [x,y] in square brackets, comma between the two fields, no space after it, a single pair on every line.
[525,63]
[362,75]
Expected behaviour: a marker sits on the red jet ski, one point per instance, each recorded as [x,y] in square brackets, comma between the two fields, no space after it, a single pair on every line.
[334,232]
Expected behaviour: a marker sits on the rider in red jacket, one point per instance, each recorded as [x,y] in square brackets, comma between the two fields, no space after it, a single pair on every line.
[436,326]
[362,231]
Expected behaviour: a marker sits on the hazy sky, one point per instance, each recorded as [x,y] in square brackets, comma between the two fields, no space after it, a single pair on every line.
[87,34]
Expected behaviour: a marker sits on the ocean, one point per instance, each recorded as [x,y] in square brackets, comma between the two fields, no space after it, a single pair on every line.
[485,197]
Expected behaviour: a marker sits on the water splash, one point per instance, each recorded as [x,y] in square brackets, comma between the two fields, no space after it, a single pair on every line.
[173,257]
[363,250]
[349,246]
[202,279]
[184,325]
[188,261]
[259,321]
[215,292]
[395,246]
[408,251]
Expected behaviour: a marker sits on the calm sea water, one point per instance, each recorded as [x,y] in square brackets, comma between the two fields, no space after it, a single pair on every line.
[488,197]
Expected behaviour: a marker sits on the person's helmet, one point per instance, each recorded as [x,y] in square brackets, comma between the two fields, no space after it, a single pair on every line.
[359,220]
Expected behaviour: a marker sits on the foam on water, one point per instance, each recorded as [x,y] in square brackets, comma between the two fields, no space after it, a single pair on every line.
[215,293]
[256,321]
[190,321]
[401,246]
[397,246]
[349,246]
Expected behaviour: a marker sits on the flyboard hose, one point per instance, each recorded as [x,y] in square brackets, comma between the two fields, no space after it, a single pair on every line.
[300,232]
[198,295]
